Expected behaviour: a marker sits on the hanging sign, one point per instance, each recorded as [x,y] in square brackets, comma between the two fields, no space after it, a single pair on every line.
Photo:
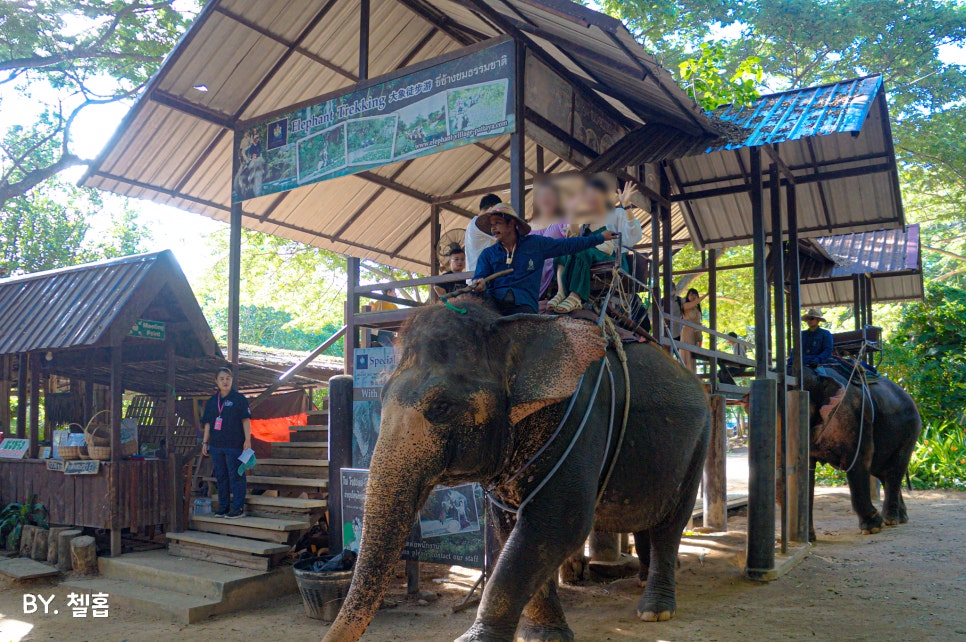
[82,467]
[146,329]
[11,448]
[460,99]
[449,528]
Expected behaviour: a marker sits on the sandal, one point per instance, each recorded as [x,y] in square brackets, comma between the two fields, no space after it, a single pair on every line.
[571,303]
[555,300]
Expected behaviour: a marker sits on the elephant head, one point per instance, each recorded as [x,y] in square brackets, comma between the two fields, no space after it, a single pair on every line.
[448,410]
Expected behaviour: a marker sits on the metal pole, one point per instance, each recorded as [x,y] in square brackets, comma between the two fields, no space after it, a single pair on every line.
[364,40]
[340,452]
[434,240]
[868,299]
[351,309]
[518,139]
[234,284]
[22,371]
[655,270]
[760,277]
[668,287]
[857,301]
[778,274]
[117,397]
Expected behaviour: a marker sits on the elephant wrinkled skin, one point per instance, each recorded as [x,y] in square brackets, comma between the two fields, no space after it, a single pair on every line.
[473,397]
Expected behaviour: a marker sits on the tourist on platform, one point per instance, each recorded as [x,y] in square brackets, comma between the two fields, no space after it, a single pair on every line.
[691,311]
[477,238]
[227,421]
[547,221]
[574,270]
[456,262]
[524,253]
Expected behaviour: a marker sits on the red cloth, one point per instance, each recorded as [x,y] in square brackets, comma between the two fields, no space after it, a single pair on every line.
[275,430]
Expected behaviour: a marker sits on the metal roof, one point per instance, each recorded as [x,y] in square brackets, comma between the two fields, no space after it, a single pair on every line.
[96,304]
[835,140]
[174,146]
[891,258]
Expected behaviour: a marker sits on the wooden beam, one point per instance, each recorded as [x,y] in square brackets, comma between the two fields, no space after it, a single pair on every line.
[234,285]
[198,111]
[34,404]
[772,151]
[22,403]
[821,188]
[117,397]
[518,140]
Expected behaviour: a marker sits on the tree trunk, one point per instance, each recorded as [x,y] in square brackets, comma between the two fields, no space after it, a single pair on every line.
[27,540]
[39,548]
[53,545]
[64,538]
[83,555]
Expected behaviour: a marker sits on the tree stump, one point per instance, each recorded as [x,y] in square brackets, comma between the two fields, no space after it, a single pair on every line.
[83,555]
[53,546]
[39,549]
[27,540]
[64,539]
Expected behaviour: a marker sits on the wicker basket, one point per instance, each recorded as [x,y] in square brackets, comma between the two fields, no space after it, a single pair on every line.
[69,453]
[99,434]
[102,453]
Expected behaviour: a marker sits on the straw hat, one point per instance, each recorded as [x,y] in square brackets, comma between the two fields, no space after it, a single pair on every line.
[814,313]
[506,211]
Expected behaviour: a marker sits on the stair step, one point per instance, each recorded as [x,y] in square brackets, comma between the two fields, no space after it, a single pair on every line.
[317,417]
[308,433]
[262,480]
[228,543]
[285,508]
[307,463]
[303,468]
[300,449]
[267,529]
[182,607]
[286,502]
[309,428]
[161,570]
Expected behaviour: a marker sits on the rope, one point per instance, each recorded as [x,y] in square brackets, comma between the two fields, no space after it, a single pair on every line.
[614,339]
[865,394]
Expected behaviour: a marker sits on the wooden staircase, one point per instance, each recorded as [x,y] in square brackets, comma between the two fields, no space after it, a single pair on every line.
[287,494]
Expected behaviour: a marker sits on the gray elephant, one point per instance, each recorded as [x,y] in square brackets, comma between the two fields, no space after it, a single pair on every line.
[863,433]
[474,397]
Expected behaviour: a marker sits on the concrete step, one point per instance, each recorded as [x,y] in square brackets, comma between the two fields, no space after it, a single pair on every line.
[276,467]
[228,543]
[267,529]
[308,433]
[186,590]
[181,607]
[227,549]
[300,449]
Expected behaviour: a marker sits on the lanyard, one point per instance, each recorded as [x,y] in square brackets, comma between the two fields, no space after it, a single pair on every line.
[219,404]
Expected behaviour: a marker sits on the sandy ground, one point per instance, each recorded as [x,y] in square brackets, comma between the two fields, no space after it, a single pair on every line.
[906,583]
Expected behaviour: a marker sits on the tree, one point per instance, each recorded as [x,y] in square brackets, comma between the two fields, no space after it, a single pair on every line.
[65,56]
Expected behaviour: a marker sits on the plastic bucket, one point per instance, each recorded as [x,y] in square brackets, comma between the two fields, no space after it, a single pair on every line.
[322,593]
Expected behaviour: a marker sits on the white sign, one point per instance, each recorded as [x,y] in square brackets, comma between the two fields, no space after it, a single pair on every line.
[11,448]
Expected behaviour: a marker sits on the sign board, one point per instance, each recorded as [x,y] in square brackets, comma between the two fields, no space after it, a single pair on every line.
[448,530]
[75,439]
[129,430]
[372,366]
[146,329]
[454,100]
[82,467]
[45,452]
[11,448]
[56,465]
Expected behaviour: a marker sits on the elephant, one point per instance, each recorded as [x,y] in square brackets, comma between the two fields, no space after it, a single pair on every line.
[888,423]
[473,398]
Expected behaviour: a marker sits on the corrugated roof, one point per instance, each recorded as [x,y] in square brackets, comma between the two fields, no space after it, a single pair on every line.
[174,147]
[836,140]
[892,258]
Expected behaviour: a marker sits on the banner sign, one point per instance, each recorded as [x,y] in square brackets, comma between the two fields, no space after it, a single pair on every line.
[456,101]
[372,366]
[147,329]
[448,530]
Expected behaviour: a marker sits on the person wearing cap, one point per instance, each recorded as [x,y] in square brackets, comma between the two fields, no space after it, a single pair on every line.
[455,257]
[817,342]
[478,232]
[524,253]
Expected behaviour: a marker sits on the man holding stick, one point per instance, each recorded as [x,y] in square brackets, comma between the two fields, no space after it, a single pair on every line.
[517,292]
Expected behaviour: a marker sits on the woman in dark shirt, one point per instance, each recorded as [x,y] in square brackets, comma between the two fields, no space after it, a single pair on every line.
[228,432]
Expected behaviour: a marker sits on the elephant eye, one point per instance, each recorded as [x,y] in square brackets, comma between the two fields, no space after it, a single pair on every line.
[439,410]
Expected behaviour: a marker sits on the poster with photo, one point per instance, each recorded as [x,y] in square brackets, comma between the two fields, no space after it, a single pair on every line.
[372,366]
[448,530]
[460,98]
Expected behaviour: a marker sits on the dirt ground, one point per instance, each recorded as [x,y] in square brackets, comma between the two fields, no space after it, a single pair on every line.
[906,583]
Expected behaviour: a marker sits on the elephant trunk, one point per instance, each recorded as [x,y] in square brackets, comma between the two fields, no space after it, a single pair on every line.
[400,477]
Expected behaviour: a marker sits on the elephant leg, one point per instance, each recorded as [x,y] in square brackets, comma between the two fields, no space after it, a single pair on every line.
[642,544]
[811,500]
[546,533]
[545,620]
[892,504]
[658,602]
[903,515]
[870,521]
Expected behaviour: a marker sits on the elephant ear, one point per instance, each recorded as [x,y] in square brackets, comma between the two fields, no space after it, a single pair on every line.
[832,394]
[547,357]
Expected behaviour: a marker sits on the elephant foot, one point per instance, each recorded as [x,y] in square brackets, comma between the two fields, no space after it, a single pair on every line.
[811,535]
[652,616]
[871,525]
[891,518]
[545,633]
[477,634]
[655,609]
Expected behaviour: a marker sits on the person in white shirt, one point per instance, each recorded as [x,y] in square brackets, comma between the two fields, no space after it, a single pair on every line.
[477,232]
[574,270]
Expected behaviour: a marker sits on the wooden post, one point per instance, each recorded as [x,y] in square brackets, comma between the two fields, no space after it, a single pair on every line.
[412,577]
[38,551]
[351,309]
[34,404]
[171,395]
[713,316]
[340,452]
[796,447]
[22,373]
[64,538]
[518,139]
[605,547]
[234,283]
[540,163]
[760,277]
[794,286]
[6,384]
[667,289]
[761,478]
[176,493]
[83,555]
[656,328]
[364,40]
[715,482]
[778,301]
[117,393]
[434,234]
[53,549]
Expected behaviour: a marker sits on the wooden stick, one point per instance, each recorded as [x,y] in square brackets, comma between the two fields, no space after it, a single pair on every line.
[472,288]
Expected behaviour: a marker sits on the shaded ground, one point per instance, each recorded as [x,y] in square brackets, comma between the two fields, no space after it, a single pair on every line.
[906,583]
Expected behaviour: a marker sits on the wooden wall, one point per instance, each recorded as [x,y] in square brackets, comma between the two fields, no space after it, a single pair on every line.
[84,500]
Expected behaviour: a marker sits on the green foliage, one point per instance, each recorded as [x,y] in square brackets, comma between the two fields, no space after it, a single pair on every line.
[940,457]
[712,84]
[271,328]
[927,355]
[15,516]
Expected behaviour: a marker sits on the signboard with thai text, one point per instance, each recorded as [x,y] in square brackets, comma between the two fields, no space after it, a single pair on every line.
[458,99]
[11,448]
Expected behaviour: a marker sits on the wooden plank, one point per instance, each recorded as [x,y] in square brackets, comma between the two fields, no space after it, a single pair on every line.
[220,556]
[301,450]
[233,528]
[223,542]
[299,482]
[258,523]
[285,502]
[24,568]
